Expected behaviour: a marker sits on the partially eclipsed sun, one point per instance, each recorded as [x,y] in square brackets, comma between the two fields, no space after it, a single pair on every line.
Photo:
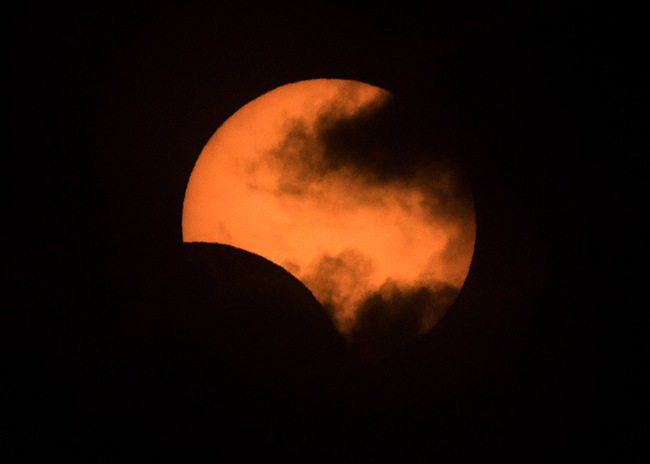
[272,181]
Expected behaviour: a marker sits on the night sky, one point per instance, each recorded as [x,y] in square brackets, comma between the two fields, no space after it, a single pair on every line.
[126,344]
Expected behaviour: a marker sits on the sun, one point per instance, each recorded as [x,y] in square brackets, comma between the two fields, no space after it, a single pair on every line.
[278,179]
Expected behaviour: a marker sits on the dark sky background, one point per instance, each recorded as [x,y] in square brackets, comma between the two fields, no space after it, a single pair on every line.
[126,344]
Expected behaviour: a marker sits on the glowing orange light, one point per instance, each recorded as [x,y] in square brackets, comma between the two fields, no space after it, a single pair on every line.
[264,186]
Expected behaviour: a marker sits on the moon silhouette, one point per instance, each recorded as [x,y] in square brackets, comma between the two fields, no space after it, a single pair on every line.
[281,179]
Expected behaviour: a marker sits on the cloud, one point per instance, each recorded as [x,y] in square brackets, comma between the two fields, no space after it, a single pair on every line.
[298,159]
[302,155]
[378,145]
[368,314]
[398,313]
[385,144]
[339,282]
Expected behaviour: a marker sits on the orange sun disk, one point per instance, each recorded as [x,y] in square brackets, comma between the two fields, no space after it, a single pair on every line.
[259,185]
